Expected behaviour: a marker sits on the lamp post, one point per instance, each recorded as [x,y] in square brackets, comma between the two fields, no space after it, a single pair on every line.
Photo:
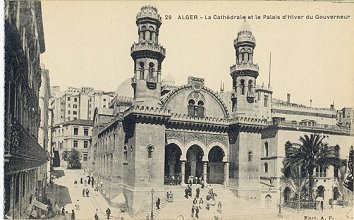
[280,214]
[299,190]
[152,204]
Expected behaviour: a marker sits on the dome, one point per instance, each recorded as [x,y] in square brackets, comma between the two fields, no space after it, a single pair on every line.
[168,80]
[245,26]
[125,89]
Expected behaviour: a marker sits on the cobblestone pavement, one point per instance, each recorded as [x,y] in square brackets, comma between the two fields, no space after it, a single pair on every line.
[232,208]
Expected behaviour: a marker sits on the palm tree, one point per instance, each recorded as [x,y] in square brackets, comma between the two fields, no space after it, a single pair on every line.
[310,153]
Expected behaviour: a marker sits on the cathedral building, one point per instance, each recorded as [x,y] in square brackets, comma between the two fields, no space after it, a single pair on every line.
[165,131]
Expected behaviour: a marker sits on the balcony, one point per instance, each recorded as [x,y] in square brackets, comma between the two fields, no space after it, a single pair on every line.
[151,82]
[133,81]
[244,66]
[251,96]
[21,148]
[311,126]
[148,46]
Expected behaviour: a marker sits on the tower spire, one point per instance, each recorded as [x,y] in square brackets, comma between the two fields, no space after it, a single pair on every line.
[270,68]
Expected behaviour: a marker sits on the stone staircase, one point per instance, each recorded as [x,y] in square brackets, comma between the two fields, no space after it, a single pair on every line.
[233,208]
[147,214]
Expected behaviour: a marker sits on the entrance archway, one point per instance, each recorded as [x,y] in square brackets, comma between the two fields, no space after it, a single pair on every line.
[216,166]
[172,164]
[320,191]
[287,193]
[268,201]
[194,165]
[336,193]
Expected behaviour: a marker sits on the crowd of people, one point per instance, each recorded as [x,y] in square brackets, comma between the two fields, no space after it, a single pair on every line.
[198,202]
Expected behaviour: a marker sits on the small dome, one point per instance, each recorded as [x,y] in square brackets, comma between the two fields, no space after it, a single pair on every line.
[245,26]
[125,89]
[168,80]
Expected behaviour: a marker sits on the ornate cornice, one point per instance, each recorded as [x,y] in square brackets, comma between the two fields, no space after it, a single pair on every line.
[147,114]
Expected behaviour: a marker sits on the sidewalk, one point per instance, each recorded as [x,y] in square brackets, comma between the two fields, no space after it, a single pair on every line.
[84,207]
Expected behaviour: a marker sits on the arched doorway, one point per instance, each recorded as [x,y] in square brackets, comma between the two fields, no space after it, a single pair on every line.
[194,165]
[172,164]
[320,191]
[268,201]
[336,193]
[216,166]
[287,193]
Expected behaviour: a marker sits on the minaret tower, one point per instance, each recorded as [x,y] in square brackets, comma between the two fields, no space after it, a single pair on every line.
[148,55]
[244,74]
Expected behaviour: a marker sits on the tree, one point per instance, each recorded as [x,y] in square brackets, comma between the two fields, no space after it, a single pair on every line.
[310,153]
[74,160]
[348,183]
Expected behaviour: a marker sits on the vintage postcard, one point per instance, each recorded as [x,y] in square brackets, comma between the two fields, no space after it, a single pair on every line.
[178,110]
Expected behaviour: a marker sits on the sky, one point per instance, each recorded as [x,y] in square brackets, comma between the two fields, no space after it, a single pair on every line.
[88,44]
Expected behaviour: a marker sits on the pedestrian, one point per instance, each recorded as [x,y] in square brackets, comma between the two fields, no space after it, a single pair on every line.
[196,209]
[63,210]
[201,203]
[158,203]
[195,201]
[96,216]
[81,180]
[197,192]
[87,192]
[108,213]
[186,192]
[72,215]
[83,192]
[75,182]
[92,181]
[192,211]
[89,180]
[219,207]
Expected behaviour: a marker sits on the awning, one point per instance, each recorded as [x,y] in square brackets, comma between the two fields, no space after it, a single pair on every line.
[40,205]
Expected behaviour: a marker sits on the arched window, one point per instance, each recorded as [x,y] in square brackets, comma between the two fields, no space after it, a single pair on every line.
[242,86]
[191,104]
[150,150]
[265,100]
[266,149]
[200,109]
[250,85]
[246,57]
[151,69]
[266,167]
[125,151]
[250,156]
[150,35]
[141,69]
[131,152]
[143,28]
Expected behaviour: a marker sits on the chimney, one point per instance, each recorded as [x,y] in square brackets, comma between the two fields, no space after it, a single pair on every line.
[288,98]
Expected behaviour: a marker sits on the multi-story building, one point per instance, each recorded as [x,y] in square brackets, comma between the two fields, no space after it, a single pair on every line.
[234,138]
[75,103]
[25,158]
[75,134]
[44,133]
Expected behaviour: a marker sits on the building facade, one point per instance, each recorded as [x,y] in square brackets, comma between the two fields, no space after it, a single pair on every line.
[25,158]
[233,138]
[70,135]
[78,103]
